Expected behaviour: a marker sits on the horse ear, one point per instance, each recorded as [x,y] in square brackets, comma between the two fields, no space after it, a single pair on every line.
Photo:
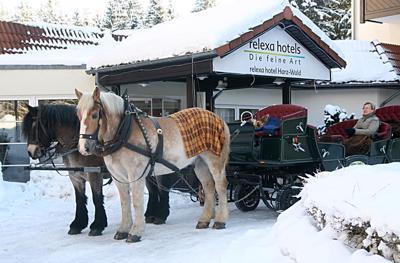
[78,94]
[96,94]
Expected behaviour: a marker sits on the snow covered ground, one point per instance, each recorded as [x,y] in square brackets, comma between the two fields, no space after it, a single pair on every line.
[34,219]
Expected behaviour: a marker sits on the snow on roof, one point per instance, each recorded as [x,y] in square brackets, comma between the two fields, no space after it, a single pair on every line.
[198,32]
[365,63]
[71,56]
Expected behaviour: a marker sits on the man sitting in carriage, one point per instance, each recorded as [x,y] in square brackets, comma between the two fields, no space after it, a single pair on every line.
[362,133]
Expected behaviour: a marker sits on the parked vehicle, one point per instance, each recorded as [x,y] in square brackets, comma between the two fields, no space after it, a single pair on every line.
[269,164]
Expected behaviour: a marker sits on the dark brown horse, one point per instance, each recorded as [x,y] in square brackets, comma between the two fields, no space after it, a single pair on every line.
[46,124]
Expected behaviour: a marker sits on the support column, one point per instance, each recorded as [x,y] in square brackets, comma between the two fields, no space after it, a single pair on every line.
[286,93]
[209,100]
[190,93]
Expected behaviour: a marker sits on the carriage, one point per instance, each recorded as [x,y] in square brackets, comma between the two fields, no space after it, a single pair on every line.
[269,166]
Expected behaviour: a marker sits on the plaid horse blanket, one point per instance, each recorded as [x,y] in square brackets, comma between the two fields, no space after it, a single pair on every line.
[201,130]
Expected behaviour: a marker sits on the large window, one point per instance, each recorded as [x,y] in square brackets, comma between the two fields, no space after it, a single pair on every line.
[13,152]
[158,107]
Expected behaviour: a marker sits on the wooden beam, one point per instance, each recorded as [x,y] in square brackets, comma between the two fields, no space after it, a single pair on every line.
[190,92]
[362,12]
[286,93]
[155,74]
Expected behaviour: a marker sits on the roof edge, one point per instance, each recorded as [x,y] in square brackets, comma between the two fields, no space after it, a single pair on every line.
[156,62]
[286,14]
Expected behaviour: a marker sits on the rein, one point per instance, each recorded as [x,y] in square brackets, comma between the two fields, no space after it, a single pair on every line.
[121,139]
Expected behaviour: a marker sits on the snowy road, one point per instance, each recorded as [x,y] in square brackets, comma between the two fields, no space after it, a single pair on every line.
[35,219]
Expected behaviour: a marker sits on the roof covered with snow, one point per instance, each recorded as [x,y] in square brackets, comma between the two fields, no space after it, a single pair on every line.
[202,31]
[16,38]
[366,62]
[50,44]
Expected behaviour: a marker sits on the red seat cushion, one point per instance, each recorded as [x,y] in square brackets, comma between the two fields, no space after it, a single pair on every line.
[389,113]
[339,129]
[282,111]
[384,131]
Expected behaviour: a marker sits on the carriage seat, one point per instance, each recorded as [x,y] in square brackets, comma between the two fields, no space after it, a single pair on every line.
[390,115]
[337,132]
[281,112]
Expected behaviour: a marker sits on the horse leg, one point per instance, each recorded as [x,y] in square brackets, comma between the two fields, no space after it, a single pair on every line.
[152,203]
[164,183]
[100,218]
[81,213]
[216,167]
[126,221]
[205,178]
[137,194]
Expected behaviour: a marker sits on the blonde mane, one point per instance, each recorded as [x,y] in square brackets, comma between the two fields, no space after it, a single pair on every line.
[113,104]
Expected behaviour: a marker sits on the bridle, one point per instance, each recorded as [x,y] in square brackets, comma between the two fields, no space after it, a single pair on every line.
[95,135]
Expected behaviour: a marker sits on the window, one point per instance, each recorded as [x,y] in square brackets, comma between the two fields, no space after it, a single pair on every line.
[158,107]
[13,152]
[227,114]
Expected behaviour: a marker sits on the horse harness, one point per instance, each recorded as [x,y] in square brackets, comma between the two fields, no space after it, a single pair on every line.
[121,138]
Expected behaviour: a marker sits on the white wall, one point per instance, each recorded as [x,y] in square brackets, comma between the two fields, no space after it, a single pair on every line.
[59,82]
[249,97]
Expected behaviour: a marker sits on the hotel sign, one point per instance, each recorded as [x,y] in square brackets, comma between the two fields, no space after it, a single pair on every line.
[275,53]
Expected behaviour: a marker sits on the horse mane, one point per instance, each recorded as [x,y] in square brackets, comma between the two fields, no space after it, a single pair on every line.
[112,104]
[52,116]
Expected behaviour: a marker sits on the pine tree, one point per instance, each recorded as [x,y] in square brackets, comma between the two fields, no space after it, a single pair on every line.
[200,5]
[170,13]
[122,14]
[24,13]
[155,14]
[48,13]
[135,14]
[332,16]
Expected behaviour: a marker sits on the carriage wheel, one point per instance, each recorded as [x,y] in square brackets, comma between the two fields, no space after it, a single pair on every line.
[286,197]
[356,160]
[248,197]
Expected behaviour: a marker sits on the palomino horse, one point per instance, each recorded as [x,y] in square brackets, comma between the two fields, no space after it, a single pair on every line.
[58,123]
[101,115]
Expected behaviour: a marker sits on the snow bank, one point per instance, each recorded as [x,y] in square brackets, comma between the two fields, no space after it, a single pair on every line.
[358,204]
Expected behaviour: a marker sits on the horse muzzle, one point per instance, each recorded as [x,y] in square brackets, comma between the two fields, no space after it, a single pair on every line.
[34,151]
[87,147]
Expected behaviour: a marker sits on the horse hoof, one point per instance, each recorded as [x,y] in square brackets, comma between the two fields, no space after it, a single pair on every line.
[149,219]
[202,225]
[74,231]
[133,238]
[218,225]
[95,232]
[120,235]
[158,221]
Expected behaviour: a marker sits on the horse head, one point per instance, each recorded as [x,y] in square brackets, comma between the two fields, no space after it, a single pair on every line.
[99,114]
[35,133]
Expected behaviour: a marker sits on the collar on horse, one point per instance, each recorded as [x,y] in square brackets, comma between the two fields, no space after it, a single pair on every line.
[122,135]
